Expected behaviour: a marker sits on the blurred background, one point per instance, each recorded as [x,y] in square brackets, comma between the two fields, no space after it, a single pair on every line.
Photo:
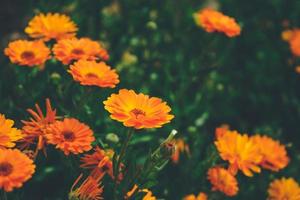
[248,82]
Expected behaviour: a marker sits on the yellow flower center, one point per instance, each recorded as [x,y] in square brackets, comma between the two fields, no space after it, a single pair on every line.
[5,169]
[77,52]
[27,55]
[137,112]
[69,136]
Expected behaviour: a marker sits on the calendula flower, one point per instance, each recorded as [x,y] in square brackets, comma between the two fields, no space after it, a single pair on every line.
[27,53]
[180,147]
[15,169]
[8,135]
[99,160]
[68,50]
[240,151]
[293,38]
[213,21]
[284,189]
[200,196]
[138,110]
[51,26]
[70,135]
[148,195]
[93,73]
[223,181]
[274,155]
[34,130]
[90,189]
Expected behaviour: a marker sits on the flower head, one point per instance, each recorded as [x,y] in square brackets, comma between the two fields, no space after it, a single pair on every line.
[34,130]
[70,49]
[293,38]
[93,73]
[284,189]
[8,134]
[27,53]
[180,147]
[214,21]
[70,135]
[200,196]
[240,151]
[51,26]
[138,110]
[15,169]
[274,155]
[222,180]
[90,188]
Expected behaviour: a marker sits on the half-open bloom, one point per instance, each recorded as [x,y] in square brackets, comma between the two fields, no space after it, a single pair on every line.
[138,110]
[240,151]
[274,155]
[51,26]
[284,189]
[27,53]
[15,169]
[71,136]
[8,135]
[93,73]
[223,181]
[213,21]
[68,50]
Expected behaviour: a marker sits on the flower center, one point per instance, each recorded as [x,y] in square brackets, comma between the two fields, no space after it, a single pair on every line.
[28,55]
[77,52]
[69,136]
[5,169]
[91,75]
[137,112]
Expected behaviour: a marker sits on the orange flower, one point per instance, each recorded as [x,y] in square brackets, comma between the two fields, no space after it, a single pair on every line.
[222,180]
[274,155]
[93,73]
[70,49]
[8,134]
[138,110]
[284,189]
[148,196]
[180,147]
[15,169]
[71,136]
[51,26]
[240,151]
[295,44]
[90,189]
[201,196]
[28,53]
[99,160]
[34,130]
[214,21]
[220,131]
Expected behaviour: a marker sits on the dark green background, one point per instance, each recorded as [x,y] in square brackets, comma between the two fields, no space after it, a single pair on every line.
[248,82]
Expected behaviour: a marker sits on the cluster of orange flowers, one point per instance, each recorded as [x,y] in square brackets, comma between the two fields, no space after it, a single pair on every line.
[213,21]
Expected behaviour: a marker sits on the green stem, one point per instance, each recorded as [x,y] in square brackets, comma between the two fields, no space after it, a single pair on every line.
[119,160]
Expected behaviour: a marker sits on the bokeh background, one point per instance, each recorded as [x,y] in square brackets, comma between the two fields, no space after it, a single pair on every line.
[248,82]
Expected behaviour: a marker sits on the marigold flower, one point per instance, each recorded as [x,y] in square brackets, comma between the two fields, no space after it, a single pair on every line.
[180,147]
[70,135]
[200,196]
[214,21]
[274,155]
[90,189]
[70,49]
[93,73]
[99,160]
[284,189]
[51,26]
[8,134]
[222,180]
[35,129]
[15,169]
[27,53]
[138,110]
[240,151]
